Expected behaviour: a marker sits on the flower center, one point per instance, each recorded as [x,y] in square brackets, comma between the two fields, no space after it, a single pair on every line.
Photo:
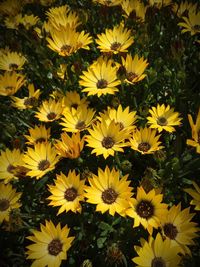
[196,27]
[109,196]
[75,105]
[10,168]
[158,262]
[145,209]
[4,204]
[162,121]
[144,146]
[30,101]
[102,84]
[40,140]
[121,125]
[65,49]
[131,76]
[108,142]
[51,116]
[80,125]
[9,88]
[55,247]
[70,194]
[43,165]
[115,46]
[13,66]
[170,230]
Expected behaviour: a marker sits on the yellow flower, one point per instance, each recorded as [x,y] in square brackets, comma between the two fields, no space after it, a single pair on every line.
[183,7]
[70,147]
[73,100]
[108,2]
[9,161]
[11,82]
[29,21]
[195,141]
[191,23]
[109,191]
[163,118]
[177,226]
[11,7]
[40,159]
[62,17]
[124,118]
[156,252]
[27,102]
[115,40]
[67,41]
[50,110]
[76,120]
[13,22]
[38,134]
[134,68]
[12,61]
[47,2]
[100,78]
[9,200]
[106,139]
[145,141]
[159,3]
[67,192]
[195,193]
[147,209]
[50,246]
[134,8]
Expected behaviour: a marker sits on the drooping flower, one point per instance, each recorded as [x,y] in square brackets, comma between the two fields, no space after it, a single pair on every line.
[11,82]
[9,161]
[76,120]
[11,7]
[195,141]
[12,61]
[109,192]
[40,160]
[179,229]
[134,68]
[124,118]
[195,193]
[50,110]
[67,192]
[106,139]
[163,118]
[27,102]
[134,8]
[38,134]
[13,22]
[145,141]
[147,209]
[29,21]
[50,246]
[115,40]
[9,200]
[70,147]
[100,78]
[156,253]
[191,23]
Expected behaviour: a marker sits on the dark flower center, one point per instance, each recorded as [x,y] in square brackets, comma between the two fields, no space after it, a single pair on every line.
[43,165]
[102,84]
[75,105]
[121,125]
[162,121]
[30,101]
[144,146]
[65,49]
[40,140]
[51,116]
[131,76]
[158,262]
[109,196]
[21,171]
[170,230]
[9,88]
[4,204]
[55,247]
[196,27]
[108,142]
[80,125]
[145,209]
[10,168]
[13,66]
[70,194]
[115,46]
